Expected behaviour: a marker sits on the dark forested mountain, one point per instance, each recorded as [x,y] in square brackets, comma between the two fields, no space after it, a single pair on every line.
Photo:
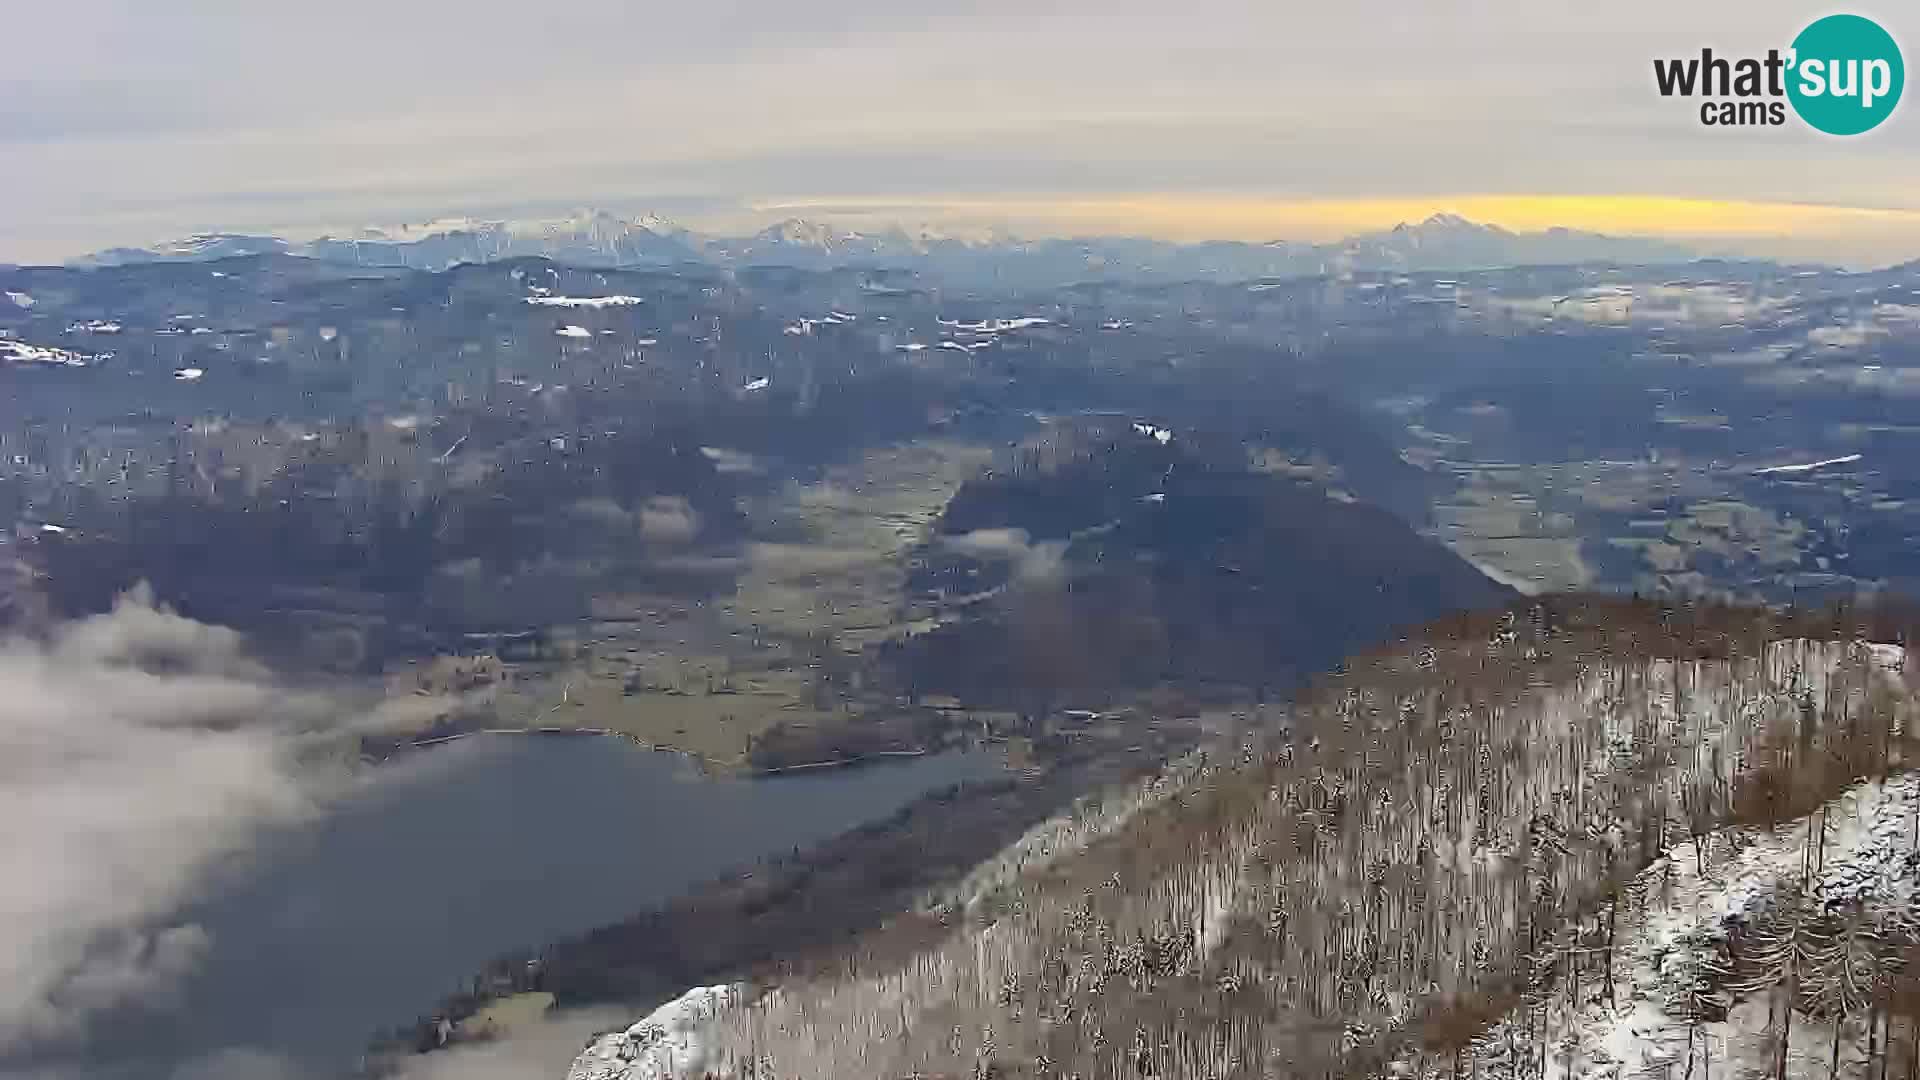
[1115,556]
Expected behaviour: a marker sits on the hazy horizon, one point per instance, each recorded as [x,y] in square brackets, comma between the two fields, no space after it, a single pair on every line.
[1234,122]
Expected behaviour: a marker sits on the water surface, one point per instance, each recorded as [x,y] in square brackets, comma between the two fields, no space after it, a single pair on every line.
[451,857]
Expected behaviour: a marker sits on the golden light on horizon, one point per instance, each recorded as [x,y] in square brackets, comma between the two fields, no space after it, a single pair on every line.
[1253,218]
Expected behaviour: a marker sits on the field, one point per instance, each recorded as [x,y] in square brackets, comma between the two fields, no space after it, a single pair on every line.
[711,677]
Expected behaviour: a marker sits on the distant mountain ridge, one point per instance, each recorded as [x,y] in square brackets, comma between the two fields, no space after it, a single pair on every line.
[600,238]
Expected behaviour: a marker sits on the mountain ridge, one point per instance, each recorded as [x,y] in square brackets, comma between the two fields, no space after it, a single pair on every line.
[595,237]
[1259,904]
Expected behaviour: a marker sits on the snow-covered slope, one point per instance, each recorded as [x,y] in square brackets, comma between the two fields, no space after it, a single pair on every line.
[200,247]
[668,1044]
[1264,917]
[1676,941]
[1696,975]
[586,237]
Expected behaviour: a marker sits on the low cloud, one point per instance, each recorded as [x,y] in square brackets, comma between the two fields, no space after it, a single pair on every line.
[662,520]
[540,1051]
[140,752]
[989,543]
[668,520]
[1042,563]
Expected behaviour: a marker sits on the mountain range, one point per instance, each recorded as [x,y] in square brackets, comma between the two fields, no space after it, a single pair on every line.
[600,238]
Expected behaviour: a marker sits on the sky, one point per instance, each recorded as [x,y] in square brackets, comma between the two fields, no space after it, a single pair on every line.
[128,122]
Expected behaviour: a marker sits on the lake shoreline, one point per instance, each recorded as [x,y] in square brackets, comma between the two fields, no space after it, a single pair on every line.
[711,765]
[782,914]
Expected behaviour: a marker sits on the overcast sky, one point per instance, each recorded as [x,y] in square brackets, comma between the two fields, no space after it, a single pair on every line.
[130,122]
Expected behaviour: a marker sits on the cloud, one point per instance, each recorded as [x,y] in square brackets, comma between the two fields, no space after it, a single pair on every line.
[140,752]
[662,520]
[121,143]
[668,520]
[989,543]
[1034,564]
[541,1051]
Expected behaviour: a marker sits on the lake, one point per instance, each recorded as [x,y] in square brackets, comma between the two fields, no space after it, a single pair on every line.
[450,857]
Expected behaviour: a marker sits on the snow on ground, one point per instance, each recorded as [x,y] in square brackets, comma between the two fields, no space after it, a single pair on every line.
[1888,657]
[19,352]
[994,326]
[1161,435]
[805,326]
[574,332]
[1523,586]
[1845,459]
[1870,858]
[584,301]
[666,1045]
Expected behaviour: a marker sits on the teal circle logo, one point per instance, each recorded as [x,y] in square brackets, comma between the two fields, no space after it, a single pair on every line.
[1845,75]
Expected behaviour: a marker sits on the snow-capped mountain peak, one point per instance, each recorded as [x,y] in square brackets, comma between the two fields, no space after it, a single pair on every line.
[799,232]
[601,238]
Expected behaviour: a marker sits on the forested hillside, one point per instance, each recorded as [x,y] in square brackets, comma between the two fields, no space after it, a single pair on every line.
[1436,868]
[1115,556]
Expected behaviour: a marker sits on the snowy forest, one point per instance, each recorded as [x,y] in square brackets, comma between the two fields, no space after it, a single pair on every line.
[1577,838]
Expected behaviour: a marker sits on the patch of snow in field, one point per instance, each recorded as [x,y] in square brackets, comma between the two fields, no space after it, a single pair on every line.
[805,327]
[1845,459]
[20,352]
[1161,435]
[995,326]
[584,301]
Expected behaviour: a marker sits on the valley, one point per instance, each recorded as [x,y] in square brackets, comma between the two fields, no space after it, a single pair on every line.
[1132,550]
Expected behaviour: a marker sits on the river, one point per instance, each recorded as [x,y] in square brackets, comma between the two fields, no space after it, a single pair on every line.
[450,857]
